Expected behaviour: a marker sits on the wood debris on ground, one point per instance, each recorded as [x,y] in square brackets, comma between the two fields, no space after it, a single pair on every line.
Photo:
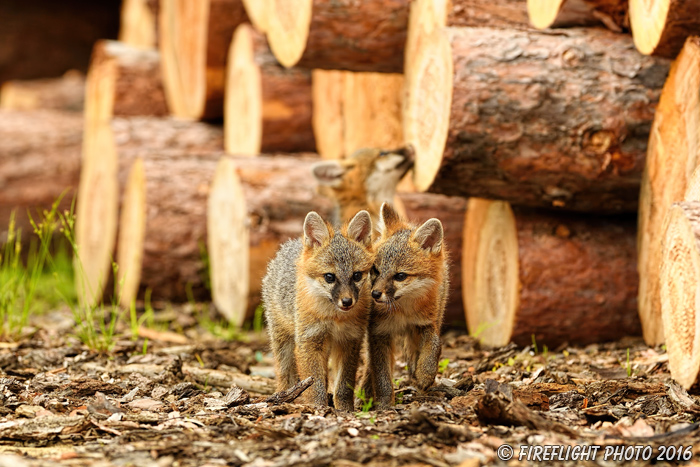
[197,403]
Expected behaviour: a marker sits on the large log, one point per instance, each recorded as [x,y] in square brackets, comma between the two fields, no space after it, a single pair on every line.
[194,39]
[679,278]
[567,13]
[267,107]
[46,38]
[557,277]
[123,81]
[64,93]
[39,161]
[534,118]
[109,151]
[364,36]
[673,153]
[139,23]
[660,27]
[315,34]
[244,208]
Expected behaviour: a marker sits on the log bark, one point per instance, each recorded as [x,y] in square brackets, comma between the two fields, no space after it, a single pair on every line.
[672,155]
[315,34]
[267,107]
[39,161]
[567,13]
[557,277]
[660,27]
[139,23]
[194,39]
[534,118]
[451,211]
[165,207]
[679,278]
[495,14]
[108,154]
[65,93]
[67,29]
[124,81]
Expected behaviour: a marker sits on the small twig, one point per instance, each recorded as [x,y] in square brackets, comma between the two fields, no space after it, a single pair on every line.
[289,395]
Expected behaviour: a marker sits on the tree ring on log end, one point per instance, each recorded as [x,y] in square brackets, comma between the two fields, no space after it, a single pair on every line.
[680,291]
[228,243]
[428,94]
[183,46]
[490,268]
[132,232]
[287,31]
[243,100]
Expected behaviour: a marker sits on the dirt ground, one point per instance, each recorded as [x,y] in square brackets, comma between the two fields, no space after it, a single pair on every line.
[194,400]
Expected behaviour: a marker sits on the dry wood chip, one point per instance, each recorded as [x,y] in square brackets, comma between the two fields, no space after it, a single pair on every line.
[150,405]
[43,428]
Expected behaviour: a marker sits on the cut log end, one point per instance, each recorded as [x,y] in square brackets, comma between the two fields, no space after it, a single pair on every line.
[673,153]
[243,101]
[660,27]
[490,271]
[132,232]
[96,217]
[543,13]
[183,46]
[648,21]
[138,24]
[680,276]
[327,115]
[287,28]
[428,98]
[257,12]
[228,243]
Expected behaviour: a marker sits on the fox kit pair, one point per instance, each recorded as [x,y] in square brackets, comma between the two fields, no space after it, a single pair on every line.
[409,290]
[317,303]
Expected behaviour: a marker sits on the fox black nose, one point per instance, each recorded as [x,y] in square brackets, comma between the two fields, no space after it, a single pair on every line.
[376,294]
[346,301]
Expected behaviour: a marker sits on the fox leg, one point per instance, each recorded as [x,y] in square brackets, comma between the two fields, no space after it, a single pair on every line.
[429,349]
[312,360]
[347,358]
[282,344]
[381,364]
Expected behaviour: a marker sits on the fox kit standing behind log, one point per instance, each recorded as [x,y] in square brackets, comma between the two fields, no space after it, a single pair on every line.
[317,302]
[364,180]
[409,288]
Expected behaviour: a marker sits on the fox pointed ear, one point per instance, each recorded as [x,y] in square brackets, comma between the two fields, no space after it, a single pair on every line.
[328,173]
[360,228]
[315,230]
[429,235]
[389,220]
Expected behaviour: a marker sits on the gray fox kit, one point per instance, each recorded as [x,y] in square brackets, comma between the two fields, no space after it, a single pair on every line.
[409,288]
[317,300]
[364,180]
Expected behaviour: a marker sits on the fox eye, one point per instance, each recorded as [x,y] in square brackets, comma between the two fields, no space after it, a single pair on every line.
[401,276]
[357,276]
[330,278]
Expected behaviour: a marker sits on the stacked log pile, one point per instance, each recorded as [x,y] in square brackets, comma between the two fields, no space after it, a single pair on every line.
[533,147]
